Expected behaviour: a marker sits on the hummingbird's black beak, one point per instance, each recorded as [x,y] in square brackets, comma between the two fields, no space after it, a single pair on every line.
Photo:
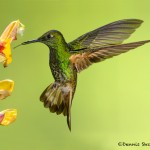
[29,42]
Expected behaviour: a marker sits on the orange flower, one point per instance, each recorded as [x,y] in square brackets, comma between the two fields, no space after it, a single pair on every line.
[9,34]
[6,87]
[8,116]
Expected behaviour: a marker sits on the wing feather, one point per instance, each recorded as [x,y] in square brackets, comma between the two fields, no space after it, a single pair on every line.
[85,59]
[111,34]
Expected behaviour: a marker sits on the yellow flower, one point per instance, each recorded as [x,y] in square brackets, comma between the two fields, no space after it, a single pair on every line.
[6,88]
[9,34]
[8,116]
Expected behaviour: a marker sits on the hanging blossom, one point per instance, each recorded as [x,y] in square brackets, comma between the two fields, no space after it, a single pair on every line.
[7,116]
[9,35]
[6,88]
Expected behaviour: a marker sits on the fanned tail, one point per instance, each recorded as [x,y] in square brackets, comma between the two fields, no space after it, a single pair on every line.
[58,98]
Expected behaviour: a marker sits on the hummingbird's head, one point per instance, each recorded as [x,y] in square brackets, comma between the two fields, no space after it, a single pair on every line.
[49,38]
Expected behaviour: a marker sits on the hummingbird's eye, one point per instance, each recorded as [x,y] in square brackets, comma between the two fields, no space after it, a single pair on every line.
[48,36]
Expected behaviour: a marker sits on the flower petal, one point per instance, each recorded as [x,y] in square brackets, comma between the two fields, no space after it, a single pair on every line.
[4,94]
[6,87]
[8,116]
[2,57]
[11,30]
[9,34]
[7,53]
[20,30]
[7,84]
[1,116]
[2,46]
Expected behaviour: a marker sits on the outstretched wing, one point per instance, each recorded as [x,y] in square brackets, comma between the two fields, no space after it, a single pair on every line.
[108,35]
[85,59]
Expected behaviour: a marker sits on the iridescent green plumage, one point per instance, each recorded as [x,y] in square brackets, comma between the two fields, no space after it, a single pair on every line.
[66,59]
[64,74]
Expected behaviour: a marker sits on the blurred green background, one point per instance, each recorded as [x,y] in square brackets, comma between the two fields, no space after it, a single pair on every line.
[112,101]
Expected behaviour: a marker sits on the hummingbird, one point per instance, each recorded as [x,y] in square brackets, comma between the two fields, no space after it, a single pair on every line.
[66,60]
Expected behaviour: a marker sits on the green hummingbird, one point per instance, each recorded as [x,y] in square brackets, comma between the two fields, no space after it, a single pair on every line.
[68,59]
